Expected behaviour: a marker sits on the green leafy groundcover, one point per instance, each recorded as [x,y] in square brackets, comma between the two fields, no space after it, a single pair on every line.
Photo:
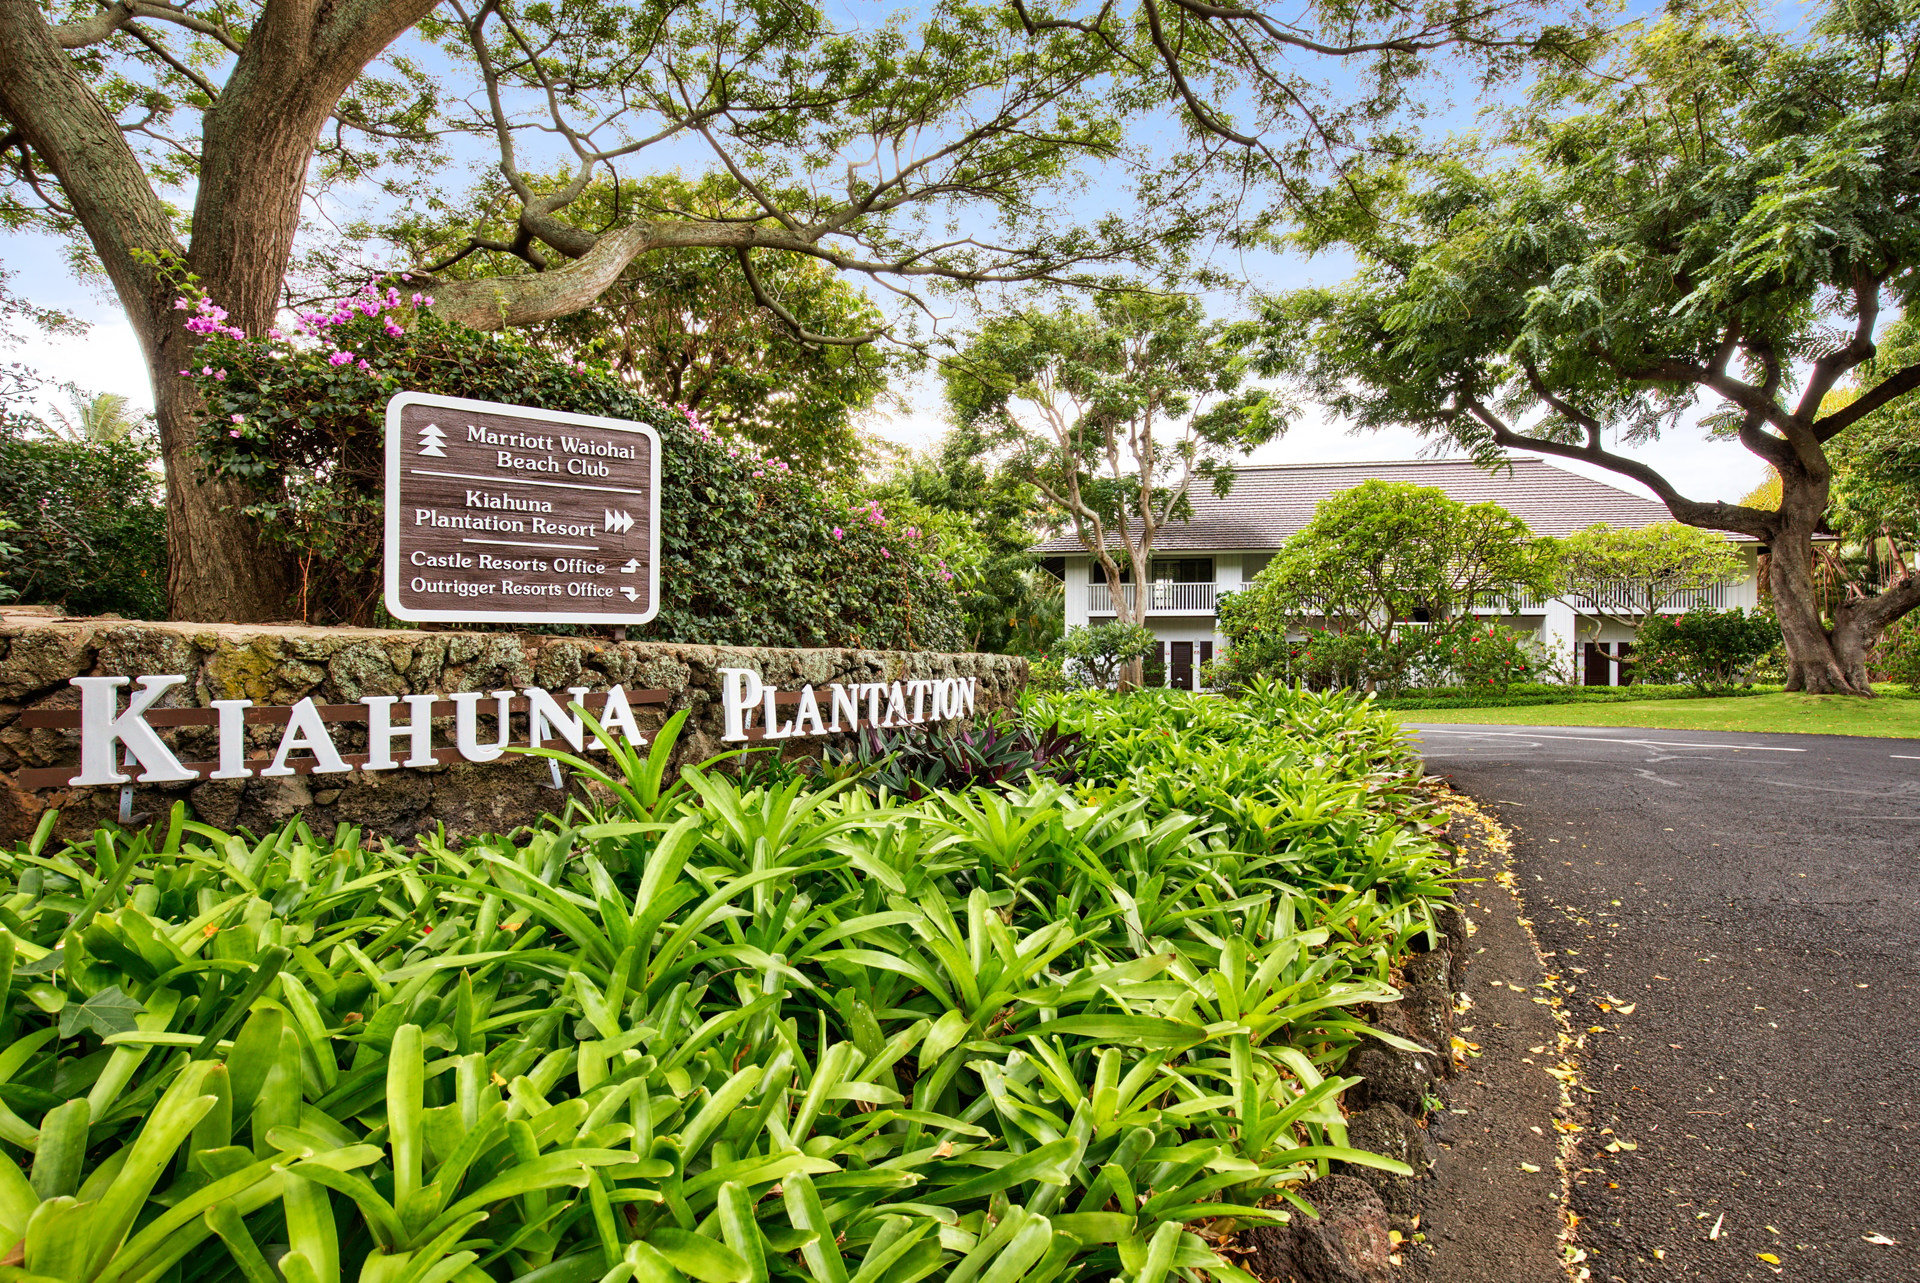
[721,1032]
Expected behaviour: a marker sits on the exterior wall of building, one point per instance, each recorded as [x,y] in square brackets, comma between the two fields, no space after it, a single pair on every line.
[1563,630]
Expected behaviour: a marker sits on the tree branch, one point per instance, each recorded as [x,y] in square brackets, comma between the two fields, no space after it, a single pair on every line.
[1713,516]
[1897,384]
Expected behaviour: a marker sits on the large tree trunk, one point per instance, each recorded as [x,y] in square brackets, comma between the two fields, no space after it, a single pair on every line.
[221,568]
[1825,659]
[257,141]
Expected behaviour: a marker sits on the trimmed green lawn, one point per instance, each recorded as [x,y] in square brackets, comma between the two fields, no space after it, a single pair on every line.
[1892,716]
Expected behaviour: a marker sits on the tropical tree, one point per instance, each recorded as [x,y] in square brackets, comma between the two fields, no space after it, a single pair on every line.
[1112,413]
[1627,576]
[1387,553]
[1721,214]
[100,418]
[684,325]
[1876,487]
[188,139]
[984,520]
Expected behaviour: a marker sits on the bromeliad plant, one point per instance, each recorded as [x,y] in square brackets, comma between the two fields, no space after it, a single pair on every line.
[913,762]
[717,1030]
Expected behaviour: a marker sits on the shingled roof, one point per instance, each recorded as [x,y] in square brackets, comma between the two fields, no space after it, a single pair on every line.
[1272,501]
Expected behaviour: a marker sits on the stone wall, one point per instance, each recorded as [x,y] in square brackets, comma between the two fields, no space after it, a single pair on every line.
[280,665]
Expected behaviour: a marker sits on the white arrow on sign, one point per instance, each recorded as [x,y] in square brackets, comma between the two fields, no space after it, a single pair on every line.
[618,522]
[633,564]
[631,594]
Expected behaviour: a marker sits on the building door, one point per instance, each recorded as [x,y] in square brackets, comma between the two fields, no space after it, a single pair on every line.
[1206,657]
[1598,666]
[1624,650]
[1180,672]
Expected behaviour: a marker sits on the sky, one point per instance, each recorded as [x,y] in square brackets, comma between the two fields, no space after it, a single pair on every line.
[107,358]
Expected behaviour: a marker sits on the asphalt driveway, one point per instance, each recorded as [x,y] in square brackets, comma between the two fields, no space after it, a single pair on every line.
[1739,918]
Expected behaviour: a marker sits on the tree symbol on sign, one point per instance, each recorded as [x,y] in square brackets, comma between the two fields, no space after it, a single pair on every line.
[431,439]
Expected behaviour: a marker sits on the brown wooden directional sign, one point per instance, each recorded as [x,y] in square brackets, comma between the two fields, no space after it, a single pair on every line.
[500,512]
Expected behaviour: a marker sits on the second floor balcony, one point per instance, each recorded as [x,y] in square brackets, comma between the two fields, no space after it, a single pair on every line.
[1162,598]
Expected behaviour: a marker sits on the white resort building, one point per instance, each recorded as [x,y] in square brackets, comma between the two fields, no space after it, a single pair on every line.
[1228,540]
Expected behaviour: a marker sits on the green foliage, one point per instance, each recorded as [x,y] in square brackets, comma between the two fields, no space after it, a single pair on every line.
[752,553]
[1113,413]
[1335,605]
[1707,648]
[722,1032]
[1719,215]
[684,326]
[917,761]
[1528,694]
[87,527]
[1897,658]
[1876,484]
[983,518]
[1094,654]
[1627,574]
[1383,553]
[1479,653]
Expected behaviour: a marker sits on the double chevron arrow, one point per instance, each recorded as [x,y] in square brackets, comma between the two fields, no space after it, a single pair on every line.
[618,523]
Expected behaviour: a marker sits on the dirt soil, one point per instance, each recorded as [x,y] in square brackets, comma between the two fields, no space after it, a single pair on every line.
[1492,1208]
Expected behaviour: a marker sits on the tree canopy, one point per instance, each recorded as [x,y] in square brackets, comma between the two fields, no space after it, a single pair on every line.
[1386,553]
[949,146]
[1720,218]
[1113,413]
[686,325]
[1627,575]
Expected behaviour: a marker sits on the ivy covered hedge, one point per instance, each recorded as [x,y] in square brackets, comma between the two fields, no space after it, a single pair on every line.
[752,553]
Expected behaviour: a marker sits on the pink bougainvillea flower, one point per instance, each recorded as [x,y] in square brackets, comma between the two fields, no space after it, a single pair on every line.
[838,533]
[239,418]
[180,305]
[221,375]
[206,369]
[340,358]
[234,432]
[885,553]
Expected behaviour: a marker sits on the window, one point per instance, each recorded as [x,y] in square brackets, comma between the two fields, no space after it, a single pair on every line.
[1183,570]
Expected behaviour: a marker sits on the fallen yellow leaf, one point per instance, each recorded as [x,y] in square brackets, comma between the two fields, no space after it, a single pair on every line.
[1768,1257]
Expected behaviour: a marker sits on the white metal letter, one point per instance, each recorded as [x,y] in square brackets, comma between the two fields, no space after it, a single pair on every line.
[101,729]
[617,717]
[380,731]
[739,691]
[809,711]
[544,713]
[846,699]
[466,715]
[306,730]
[233,739]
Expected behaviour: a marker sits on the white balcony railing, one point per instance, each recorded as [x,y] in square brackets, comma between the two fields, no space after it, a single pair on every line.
[1619,598]
[1162,599]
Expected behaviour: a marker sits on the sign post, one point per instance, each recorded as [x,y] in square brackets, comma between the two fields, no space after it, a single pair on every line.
[509,514]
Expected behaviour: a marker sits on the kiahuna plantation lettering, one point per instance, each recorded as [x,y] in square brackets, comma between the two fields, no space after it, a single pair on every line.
[753,711]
